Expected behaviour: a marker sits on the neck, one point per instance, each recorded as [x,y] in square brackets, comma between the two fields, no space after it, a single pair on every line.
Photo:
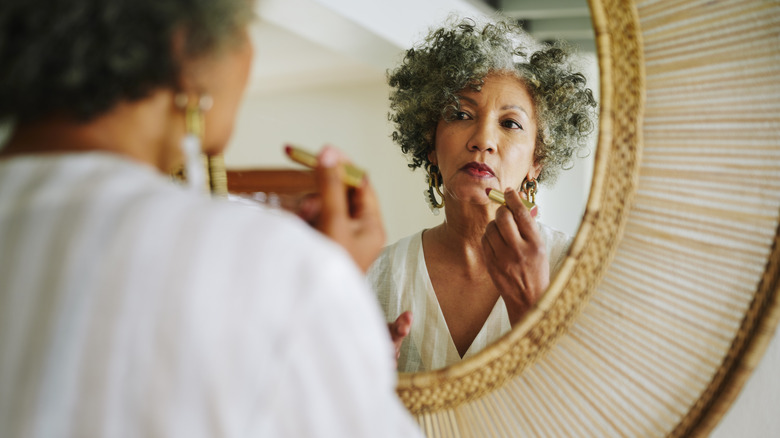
[461,233]
[142,130]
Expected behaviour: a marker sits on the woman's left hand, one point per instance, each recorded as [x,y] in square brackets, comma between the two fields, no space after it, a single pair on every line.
[399,330]
[516,256]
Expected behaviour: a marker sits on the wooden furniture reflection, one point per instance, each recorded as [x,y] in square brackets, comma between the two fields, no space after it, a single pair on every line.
[280,187]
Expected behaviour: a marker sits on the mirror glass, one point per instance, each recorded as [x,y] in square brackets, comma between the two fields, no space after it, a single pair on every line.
[320,78]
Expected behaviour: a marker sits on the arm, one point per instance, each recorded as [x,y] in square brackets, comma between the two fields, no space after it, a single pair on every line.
[349,216]
[516,257]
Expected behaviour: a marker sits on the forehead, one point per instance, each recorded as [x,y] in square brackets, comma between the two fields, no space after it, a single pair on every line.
[503,91]
[503,88]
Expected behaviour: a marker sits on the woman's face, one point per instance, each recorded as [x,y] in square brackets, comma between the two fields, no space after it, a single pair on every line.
[490,141]
[224,76]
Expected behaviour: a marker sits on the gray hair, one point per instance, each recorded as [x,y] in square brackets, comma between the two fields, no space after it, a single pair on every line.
[80,58]
[460,55]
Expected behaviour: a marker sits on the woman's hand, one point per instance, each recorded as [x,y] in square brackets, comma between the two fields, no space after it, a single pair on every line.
[349,216]
[399,330]
[516,256]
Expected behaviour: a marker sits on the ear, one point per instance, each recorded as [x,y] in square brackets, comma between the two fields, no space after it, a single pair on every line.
[188,77]
[432,157]
[535,170]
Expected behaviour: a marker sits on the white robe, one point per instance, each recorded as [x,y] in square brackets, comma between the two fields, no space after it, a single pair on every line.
[400,279]
[132,308]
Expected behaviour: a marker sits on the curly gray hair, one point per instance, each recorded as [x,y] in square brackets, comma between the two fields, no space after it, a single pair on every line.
[460,55]
[80,58]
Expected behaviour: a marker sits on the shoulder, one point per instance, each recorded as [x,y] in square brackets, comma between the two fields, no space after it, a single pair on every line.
[250,248]
[277,242]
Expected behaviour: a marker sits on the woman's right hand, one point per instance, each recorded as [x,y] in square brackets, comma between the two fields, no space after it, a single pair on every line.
[399,330]
[516,257]
[349,216]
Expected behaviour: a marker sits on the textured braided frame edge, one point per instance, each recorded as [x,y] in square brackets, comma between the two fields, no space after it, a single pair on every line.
[614,184]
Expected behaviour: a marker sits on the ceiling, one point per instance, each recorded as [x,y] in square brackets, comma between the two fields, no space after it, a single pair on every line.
[301,44]
[552,19]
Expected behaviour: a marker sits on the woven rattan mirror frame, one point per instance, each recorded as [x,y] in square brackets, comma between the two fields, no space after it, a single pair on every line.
[674,263]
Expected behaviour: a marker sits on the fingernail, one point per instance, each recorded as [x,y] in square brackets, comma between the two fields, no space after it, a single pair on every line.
[329,158]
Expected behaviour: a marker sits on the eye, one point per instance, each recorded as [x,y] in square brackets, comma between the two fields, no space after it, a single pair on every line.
[511,124]
[462,115]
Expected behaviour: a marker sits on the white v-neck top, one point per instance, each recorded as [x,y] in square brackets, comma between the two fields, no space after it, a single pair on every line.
[401,281]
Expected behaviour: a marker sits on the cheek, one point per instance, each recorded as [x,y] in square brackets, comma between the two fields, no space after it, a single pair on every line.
[517,164]
[230,85]
[446,141]
[219,127]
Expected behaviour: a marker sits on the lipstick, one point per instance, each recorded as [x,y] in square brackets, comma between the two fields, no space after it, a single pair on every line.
[353,176]
[498,196]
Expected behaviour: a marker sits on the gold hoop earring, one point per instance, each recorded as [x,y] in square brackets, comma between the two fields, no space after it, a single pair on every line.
[195,127]
[529,188]
[434,182]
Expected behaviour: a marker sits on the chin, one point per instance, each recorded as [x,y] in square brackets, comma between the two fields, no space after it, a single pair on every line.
[215,146]
[214,150]
[473,195]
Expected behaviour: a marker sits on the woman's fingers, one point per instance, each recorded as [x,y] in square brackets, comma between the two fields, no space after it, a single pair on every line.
[506,225]
[351,217]
[309,208]
[402,326]
[504,237]
[333,194]
[525,223]
[399,330]
[516,256]
[513,224]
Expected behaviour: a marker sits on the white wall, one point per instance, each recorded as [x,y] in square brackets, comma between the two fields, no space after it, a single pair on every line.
[756,411]
[562,205]
[353,117]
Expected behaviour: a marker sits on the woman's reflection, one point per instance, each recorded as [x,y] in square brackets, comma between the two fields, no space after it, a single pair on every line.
[479,107]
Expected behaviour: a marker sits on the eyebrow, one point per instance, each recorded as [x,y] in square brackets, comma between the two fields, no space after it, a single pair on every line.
[503,108]
[517,107]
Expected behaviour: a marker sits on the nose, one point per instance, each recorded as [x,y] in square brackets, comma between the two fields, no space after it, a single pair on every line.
[484,138]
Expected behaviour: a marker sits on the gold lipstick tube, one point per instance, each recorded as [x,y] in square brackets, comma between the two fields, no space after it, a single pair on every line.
[353,176]
[498,196]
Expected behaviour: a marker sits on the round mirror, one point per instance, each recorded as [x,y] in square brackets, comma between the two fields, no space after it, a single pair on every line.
[331,91]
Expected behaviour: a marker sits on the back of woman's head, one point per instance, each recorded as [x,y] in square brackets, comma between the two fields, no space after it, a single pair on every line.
[79,58]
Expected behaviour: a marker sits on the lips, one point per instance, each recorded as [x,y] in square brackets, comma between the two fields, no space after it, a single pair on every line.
[480,170]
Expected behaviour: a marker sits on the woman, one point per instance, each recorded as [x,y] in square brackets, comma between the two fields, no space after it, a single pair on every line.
[480,108]
[131,306]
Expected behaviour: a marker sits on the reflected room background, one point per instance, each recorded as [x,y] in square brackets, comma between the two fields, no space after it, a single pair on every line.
[320,77]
